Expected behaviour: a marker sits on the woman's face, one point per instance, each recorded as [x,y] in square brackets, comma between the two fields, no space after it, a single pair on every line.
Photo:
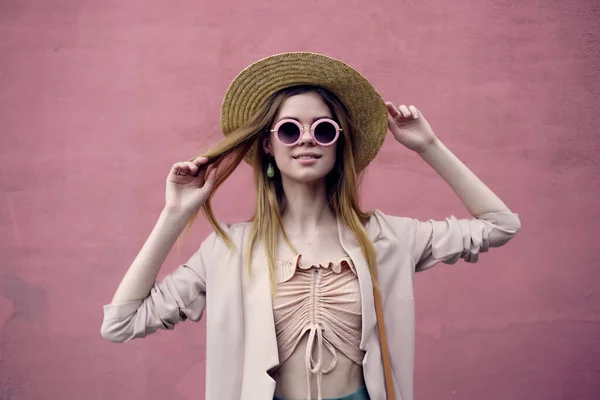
[306,161]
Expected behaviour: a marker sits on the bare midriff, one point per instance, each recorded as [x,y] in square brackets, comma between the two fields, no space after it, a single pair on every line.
[346,377]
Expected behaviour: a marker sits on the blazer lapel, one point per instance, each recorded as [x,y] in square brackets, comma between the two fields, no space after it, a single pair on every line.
[351,246]
[372,362]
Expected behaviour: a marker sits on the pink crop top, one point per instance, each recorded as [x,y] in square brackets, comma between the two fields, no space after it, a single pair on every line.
[324,300]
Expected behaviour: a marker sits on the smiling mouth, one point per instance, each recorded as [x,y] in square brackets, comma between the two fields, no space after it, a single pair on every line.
[306,157]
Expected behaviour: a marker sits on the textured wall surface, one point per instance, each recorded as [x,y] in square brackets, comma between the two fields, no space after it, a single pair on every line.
[99,98]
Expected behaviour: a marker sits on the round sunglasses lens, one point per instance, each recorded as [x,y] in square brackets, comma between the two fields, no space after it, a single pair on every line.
[288,133]
[325,132]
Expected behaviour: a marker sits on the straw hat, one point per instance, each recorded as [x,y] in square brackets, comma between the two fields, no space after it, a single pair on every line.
[261,79]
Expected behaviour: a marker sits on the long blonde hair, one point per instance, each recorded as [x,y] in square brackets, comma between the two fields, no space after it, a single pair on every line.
[341,182]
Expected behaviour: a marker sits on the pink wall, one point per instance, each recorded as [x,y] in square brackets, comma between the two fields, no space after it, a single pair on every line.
[98,99]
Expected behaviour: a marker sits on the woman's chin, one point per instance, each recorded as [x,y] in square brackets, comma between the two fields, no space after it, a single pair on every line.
[306,176]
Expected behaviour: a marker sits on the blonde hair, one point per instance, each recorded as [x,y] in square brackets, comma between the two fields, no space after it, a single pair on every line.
[341,183]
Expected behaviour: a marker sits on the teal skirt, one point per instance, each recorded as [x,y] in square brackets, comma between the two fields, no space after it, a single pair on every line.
[360,394]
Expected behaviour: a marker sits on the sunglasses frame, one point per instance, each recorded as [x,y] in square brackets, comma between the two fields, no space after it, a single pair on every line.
[312,130]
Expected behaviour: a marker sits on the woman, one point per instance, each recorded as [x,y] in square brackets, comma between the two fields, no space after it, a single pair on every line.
[293,296]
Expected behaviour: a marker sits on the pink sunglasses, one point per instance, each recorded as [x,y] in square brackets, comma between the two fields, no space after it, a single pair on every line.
[324,131]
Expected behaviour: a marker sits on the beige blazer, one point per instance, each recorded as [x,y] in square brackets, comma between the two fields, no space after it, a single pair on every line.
[241,345]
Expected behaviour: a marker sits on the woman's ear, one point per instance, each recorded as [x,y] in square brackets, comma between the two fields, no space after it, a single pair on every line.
[267,145]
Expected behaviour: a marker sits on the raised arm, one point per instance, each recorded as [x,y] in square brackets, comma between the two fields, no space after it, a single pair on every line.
[140,305]
[452,239]
[411,129]
[141,275]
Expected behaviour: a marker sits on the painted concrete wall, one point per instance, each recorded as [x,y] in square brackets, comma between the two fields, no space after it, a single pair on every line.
[98,99]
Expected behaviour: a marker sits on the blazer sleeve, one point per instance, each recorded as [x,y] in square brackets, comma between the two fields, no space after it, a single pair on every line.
[181,295]
[431,242]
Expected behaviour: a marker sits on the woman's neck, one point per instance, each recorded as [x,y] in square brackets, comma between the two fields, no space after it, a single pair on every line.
[306,207]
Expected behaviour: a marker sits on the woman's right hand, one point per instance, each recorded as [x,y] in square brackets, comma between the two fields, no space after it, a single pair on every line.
[189,184]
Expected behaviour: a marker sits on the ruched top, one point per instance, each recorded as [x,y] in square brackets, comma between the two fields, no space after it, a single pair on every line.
[324,300]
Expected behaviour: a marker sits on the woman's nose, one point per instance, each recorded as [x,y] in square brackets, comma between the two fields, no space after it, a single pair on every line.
[306,135]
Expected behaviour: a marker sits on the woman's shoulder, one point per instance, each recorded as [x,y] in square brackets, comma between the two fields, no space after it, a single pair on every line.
[236,228]
[233,232]
[380,218]
[382,225]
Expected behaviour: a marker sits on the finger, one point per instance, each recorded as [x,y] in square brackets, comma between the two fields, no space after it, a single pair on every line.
[203,163]
[200,160]
[201,171]
[391,122]
[414,111]
[181,168]
[192,167]
[404,111]
[176,169]
[392,109]
[210,181]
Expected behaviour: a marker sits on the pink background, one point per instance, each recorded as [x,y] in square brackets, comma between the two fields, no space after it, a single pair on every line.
[99,98]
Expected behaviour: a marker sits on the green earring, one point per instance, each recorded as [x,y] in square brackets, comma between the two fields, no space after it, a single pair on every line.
[270,170]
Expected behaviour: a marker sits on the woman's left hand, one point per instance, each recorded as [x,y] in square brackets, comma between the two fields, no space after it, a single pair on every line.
[409,127]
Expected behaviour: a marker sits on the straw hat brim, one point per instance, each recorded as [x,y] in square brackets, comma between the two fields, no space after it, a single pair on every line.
[261,79]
